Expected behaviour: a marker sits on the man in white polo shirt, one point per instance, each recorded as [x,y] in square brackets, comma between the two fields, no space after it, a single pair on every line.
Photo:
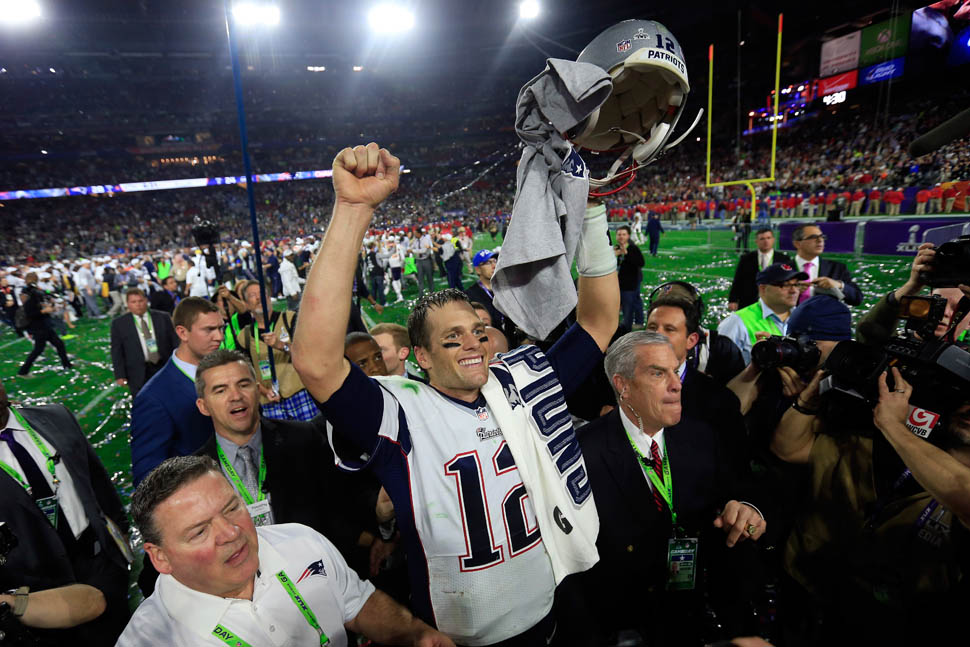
[222,581]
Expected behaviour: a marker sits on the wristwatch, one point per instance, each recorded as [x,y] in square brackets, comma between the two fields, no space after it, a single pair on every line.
[21,598]
[286,348]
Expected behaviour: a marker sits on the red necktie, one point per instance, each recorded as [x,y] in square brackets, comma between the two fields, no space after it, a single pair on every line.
[656,464]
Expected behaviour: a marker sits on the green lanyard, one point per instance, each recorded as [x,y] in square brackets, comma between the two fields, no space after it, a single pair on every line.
[232,639]
[41,445]
[180,368]
[665,487]
[234,477]
[256,334]
[151,324]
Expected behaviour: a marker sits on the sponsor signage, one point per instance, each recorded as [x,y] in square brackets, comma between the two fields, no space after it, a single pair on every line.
[840,54]
[882,71]
[838,83]
[898,237]
[885,40]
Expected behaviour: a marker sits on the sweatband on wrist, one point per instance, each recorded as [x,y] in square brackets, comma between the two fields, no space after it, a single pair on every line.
[594,256]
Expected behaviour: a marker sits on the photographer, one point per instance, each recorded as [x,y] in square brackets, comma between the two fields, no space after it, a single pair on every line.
[878,548]
[878,325]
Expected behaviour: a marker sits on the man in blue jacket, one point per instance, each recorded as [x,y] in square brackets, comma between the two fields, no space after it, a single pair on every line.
[165,421]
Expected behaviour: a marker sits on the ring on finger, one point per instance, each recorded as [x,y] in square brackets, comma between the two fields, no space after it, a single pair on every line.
[752,530]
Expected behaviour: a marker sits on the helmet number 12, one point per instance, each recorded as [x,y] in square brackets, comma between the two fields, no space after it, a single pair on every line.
[669,45]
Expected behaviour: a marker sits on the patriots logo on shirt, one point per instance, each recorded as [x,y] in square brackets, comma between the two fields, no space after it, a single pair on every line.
[316,568]
[574,165]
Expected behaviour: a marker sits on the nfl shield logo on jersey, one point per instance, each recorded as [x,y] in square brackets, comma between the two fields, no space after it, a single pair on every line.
[624,45]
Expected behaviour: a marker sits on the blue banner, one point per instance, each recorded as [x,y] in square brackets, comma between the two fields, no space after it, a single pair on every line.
[882,71]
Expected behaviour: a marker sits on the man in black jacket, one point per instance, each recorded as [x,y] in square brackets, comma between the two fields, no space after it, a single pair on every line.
[67,517]
[667,488]
[629,263]
[825,276]
[38,309]
[744,289]
[141,342]
[167,298]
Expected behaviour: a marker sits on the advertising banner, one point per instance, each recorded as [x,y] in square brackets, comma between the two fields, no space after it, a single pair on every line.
[840,54]
[838,83]
[899,238]
[884,40]
[839,236]
[882,71]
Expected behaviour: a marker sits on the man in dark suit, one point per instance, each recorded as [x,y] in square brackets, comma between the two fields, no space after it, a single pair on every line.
[744,289]
[167,298]
[164,419]
[825,276]
[58,501]
[647,463]
[141,342]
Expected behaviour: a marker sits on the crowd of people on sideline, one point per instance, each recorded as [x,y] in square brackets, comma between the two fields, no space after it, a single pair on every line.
[301,476]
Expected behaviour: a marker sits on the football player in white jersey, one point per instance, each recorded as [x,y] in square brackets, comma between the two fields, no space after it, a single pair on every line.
[478,565]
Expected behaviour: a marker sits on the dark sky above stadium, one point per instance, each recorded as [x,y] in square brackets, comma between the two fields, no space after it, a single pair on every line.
[458,34]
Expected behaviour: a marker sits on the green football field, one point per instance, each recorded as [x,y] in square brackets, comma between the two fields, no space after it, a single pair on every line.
[706,259]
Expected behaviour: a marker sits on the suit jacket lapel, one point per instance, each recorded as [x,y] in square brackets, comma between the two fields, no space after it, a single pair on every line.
[622,464]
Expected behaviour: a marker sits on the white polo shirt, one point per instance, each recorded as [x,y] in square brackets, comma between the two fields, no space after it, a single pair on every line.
[177,615]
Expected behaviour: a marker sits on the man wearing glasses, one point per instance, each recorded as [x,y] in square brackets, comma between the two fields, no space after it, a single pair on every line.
[824,276]
[778,288]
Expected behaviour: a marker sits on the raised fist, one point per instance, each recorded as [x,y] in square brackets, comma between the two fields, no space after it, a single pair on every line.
[365,175]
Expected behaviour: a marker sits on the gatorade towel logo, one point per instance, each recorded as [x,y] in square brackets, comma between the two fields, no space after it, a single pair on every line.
[921,421]
[561,521]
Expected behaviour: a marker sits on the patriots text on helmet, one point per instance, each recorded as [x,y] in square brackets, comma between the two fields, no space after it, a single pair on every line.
[664,56]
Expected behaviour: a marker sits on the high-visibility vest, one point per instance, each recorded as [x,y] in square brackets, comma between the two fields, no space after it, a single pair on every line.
[754,321]
[164,269]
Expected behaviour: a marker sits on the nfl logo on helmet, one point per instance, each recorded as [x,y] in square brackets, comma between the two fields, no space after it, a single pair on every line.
[624,45]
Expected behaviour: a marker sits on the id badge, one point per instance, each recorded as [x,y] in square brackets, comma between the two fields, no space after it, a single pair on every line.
[284,336]
[681,563]
[259,511]
[152,345]
[264,369]
[48,505]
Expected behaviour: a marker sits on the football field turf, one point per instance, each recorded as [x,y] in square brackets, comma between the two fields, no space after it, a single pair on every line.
[706,259]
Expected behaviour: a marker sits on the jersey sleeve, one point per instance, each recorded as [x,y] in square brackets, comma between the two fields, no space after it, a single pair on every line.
[573,356]
[361,417]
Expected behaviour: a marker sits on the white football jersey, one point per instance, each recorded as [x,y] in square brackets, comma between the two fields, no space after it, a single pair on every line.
[453,481]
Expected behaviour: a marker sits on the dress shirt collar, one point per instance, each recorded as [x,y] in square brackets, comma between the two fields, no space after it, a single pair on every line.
[188,369]
[13,423]
[230,449]
[800,262]
[642,439]
[765,258]
[201,612]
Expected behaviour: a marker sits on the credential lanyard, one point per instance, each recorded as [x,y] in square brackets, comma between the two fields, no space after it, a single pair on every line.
[42,446]
[272,324]
[885,499]
[664,487]
[230,638]
[234,477]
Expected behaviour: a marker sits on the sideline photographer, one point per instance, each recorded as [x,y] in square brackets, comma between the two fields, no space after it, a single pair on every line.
[879,549]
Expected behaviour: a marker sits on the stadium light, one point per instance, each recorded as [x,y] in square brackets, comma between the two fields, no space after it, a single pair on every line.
[528,9]
[358,68]
[19,12]
[389,18]
[256,13]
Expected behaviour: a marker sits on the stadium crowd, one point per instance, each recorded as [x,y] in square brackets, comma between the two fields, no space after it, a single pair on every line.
[492,473]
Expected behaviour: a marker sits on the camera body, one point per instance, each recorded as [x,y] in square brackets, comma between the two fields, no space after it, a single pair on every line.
[951,264]
[800,353]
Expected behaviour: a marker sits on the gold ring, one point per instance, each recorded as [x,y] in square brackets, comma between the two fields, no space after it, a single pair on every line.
[752,529]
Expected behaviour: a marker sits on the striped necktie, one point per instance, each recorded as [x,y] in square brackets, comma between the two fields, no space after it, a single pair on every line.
[657,465]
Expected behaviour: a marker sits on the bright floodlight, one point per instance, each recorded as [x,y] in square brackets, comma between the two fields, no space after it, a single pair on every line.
[386,18]
[256,13]
[528,9]
[18,12]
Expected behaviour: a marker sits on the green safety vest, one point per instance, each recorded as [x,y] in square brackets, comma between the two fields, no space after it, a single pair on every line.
[164,269]
[410,265]
[229,340]
[754,320]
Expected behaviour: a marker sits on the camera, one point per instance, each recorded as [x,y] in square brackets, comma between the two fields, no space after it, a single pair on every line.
[800,353]
[205,233]
[937,369]
[951,265]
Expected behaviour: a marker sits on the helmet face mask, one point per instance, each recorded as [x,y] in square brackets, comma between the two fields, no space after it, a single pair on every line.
[650,88]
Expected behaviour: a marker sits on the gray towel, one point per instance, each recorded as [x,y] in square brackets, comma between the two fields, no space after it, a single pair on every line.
[532,281]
